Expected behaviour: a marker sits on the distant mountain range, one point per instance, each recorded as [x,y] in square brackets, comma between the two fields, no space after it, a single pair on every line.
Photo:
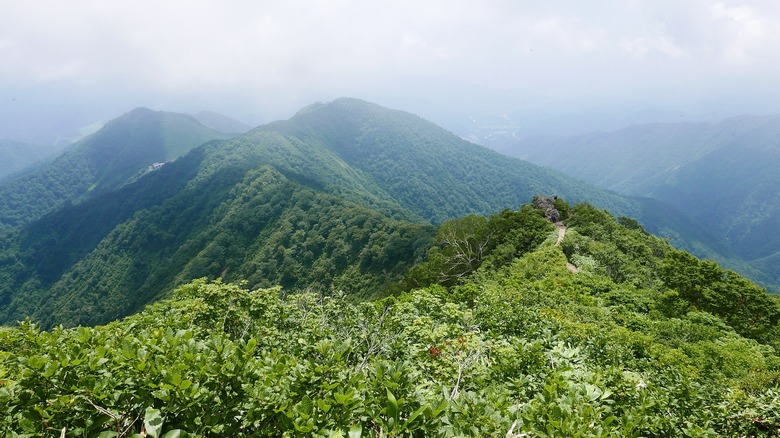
[342,196]
[721,175]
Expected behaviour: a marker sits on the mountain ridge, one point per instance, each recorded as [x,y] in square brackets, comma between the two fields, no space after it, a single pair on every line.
[293,203]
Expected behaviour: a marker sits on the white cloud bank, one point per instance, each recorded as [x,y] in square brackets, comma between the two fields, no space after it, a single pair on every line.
[282,53]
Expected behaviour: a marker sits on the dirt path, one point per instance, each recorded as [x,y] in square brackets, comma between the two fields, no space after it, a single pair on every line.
[561,234]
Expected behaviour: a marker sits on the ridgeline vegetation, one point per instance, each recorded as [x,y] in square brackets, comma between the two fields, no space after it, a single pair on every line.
[497,338]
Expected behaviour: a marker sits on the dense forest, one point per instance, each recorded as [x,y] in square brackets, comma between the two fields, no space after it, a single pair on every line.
[510,326]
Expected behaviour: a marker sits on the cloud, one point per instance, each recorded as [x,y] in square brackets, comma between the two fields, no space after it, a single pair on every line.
[272,55]
[643,46]
[747,36]
[181,44]
[569,34]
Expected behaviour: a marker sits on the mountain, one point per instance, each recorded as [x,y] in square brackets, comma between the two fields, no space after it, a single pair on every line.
[721,175]
[440,176]
[339,197]
[123,149]
[15,156]
[429,170]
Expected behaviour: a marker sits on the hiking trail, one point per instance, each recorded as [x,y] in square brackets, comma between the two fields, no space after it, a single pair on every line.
[561,234]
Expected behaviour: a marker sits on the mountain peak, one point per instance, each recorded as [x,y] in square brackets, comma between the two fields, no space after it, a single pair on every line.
[340,103]
[138,112]
[139,119]
[142,109]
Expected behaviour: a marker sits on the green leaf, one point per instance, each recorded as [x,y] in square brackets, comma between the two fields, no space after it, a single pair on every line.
[356,431]
[305,407]
[414,415]
[51,368]
[153,422]
[251,346]
[344,399]
[323,405]
[37,362]
[302,426]
[392,410]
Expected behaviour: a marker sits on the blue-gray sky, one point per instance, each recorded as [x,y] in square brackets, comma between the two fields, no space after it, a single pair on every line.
[65,64]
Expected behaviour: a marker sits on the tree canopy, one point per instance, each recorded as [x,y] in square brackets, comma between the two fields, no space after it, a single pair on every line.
[642,340]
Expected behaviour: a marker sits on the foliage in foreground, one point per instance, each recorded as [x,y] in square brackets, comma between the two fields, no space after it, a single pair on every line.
[523,348]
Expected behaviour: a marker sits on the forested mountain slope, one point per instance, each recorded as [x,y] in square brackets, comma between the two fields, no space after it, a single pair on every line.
[340,197]
[641,341]
[439,175]
[101,162]
[107,257]
[723,176]
[426,168]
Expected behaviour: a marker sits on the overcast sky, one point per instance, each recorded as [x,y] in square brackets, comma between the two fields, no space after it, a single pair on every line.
[68,63]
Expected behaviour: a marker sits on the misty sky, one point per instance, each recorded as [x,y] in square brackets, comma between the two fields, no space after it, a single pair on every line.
[64,64]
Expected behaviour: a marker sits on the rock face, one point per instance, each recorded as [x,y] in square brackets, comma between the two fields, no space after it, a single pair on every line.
[547,205]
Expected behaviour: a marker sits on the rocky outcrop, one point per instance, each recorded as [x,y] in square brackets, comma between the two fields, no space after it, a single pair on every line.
[547,205]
